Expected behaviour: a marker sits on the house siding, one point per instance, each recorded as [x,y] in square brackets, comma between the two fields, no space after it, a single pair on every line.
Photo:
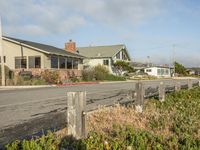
[98,61]
[12,50]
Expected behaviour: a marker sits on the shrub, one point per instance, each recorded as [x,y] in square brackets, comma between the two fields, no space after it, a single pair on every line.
[48,142]
[100,72]
[36,81]
[74,79]
[51,77]
[111,77]
[123,66]
[88,74]
[26,75]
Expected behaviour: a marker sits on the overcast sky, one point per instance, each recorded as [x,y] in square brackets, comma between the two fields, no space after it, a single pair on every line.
[146,27]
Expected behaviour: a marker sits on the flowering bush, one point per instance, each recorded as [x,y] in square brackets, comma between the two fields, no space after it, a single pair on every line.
[51,77]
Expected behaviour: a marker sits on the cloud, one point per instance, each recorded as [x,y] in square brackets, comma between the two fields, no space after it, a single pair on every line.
[43,17]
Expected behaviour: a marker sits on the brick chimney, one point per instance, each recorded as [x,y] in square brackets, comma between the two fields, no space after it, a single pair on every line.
[70,46]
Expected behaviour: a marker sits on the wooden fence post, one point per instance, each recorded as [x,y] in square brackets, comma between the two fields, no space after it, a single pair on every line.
[76,115]
[177,86]
[139,89]
[162,92]
[199,83]
[190,84]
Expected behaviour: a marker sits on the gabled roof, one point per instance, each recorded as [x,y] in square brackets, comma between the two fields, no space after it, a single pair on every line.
[100,51]
[48,49]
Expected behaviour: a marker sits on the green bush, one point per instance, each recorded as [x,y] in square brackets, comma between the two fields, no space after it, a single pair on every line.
[49,142]
[88,74]
[111,77]
[36,81]
[124,66]
[74,79]
[100,72]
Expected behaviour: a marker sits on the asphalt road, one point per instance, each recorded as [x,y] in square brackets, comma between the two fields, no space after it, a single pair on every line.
[20,105]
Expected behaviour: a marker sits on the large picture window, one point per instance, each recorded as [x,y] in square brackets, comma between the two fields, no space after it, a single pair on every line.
[20,62]
[62,62]
[54,62]
[69,63]
[34,61]
[75,64]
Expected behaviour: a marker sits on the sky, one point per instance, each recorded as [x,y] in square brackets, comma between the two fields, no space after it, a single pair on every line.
[157,31]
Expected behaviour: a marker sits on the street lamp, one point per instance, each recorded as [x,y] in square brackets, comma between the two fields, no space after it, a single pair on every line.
[148,61]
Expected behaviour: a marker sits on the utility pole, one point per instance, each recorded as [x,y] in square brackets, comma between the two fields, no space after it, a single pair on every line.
[3,78]
[148,61]
[174,62]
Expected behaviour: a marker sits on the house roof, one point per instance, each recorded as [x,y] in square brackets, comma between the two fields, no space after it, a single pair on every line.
[100,51]
[43,47]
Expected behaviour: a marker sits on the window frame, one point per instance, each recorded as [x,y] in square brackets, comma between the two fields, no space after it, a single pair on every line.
[34,65]
[64,62]
[106,62]
[54,66]
[21,60]
[69,63]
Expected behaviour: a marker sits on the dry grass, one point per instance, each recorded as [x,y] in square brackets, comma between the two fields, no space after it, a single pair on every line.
[103,119]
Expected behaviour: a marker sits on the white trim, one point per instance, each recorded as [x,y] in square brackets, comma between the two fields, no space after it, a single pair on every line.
[123,48]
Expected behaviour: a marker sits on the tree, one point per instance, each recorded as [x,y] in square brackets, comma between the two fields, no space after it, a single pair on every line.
[123,66]
[180,69]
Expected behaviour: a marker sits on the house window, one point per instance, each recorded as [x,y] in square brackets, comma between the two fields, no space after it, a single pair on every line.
[34,61]
[166,71]
[106,62]
[158,71]
[162,71]
[62,62]
[118,56]
[20,62]
[148,70]
[123,56]
[4,58]
[54,62]
[75,64]
[69,63]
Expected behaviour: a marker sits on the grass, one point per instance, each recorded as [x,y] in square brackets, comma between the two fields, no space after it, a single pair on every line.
[172,124]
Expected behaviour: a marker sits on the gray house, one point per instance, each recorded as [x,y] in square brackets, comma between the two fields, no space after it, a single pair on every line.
[104,55]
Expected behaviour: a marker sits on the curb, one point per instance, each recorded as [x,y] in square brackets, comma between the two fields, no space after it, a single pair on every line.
[77,84]
[24,87]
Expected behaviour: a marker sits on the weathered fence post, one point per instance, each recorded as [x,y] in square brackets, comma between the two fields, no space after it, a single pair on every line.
[76,115]
[162,92]
[199,83]
[139,89]
[177,86]
[190,84]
